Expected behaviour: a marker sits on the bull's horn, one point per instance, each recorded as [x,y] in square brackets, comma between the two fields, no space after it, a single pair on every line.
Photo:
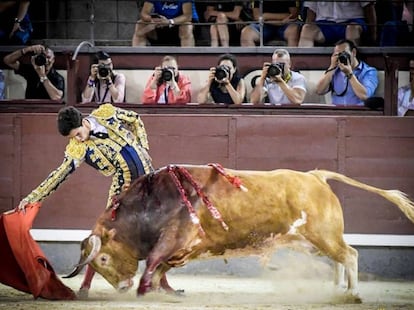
[74,272]
[95,242]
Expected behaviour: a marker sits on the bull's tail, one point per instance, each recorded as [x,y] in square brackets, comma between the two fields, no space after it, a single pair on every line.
[395,196]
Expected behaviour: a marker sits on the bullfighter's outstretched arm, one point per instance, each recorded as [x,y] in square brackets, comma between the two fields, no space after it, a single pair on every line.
[73,158]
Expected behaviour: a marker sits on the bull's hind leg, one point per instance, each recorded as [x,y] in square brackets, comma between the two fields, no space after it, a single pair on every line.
[339,274]
[351,268]
[343,254]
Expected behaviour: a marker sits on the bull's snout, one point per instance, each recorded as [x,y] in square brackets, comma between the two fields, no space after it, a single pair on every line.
[125,285]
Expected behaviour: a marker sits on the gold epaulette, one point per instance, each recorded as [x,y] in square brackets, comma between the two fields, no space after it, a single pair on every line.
[76,149]
[104,111]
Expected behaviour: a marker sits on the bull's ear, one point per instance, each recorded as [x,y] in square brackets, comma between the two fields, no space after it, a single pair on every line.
[112,233]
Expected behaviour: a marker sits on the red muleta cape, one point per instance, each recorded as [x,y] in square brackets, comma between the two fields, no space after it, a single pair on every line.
[23,265]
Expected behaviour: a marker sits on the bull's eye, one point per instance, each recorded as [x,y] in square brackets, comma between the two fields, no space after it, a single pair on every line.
[103,259]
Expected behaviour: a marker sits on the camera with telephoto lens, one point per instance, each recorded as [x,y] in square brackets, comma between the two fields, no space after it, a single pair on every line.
[222,72]
[40,59]
[344,58]
[167,74]
[275,69]
[104,70]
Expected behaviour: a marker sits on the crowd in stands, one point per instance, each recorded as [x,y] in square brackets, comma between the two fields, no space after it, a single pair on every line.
[344,25]
[248,23]
[290,23]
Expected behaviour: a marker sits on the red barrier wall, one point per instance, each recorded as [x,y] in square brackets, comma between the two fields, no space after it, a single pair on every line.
[378,150]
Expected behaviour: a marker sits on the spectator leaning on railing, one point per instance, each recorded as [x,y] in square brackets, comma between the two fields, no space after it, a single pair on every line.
[394,18]
[43,81]
[224,83]
[330,21]
[160,18]
[279,22]
[219,14]
[349,80]
[15,25]
[278,84]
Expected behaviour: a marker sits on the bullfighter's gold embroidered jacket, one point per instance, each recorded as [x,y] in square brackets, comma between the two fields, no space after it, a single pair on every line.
[126,143]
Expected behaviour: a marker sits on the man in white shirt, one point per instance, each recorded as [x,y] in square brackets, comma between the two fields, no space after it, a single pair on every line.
[278,83]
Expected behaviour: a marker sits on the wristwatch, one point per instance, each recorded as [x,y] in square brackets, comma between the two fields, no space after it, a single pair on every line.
[43,79]
[171,22]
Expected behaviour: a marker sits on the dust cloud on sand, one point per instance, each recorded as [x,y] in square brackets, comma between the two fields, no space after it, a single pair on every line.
[297,282]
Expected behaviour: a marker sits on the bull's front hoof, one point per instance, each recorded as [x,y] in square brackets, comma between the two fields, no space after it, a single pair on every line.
[355,299]
[144,289]
[83,293]
[351,298]
[178,292]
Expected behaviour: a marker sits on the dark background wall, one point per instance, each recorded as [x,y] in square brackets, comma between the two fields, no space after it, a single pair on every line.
[109,22]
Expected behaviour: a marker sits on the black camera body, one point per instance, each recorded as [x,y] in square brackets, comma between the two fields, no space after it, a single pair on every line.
[40,59]
[104,70]
[222,72]
[344,58]
[167,74]
[276,69]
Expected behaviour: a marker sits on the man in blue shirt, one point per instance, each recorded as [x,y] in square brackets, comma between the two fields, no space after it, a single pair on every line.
[350,81]
[2,85]
[158,20]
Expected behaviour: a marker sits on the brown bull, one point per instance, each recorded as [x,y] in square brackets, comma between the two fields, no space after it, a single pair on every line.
[180,213]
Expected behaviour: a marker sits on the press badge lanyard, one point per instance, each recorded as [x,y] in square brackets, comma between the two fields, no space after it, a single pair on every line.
[98,93]
[346,86]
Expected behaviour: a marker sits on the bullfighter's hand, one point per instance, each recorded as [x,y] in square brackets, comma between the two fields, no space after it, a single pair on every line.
[22,205]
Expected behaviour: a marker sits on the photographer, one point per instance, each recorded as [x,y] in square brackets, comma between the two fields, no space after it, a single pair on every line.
[167,85]
[43,82]
[224,84]
[278,84]
[104,85]
[349,80]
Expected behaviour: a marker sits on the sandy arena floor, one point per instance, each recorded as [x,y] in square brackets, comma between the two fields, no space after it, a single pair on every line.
[297,287]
